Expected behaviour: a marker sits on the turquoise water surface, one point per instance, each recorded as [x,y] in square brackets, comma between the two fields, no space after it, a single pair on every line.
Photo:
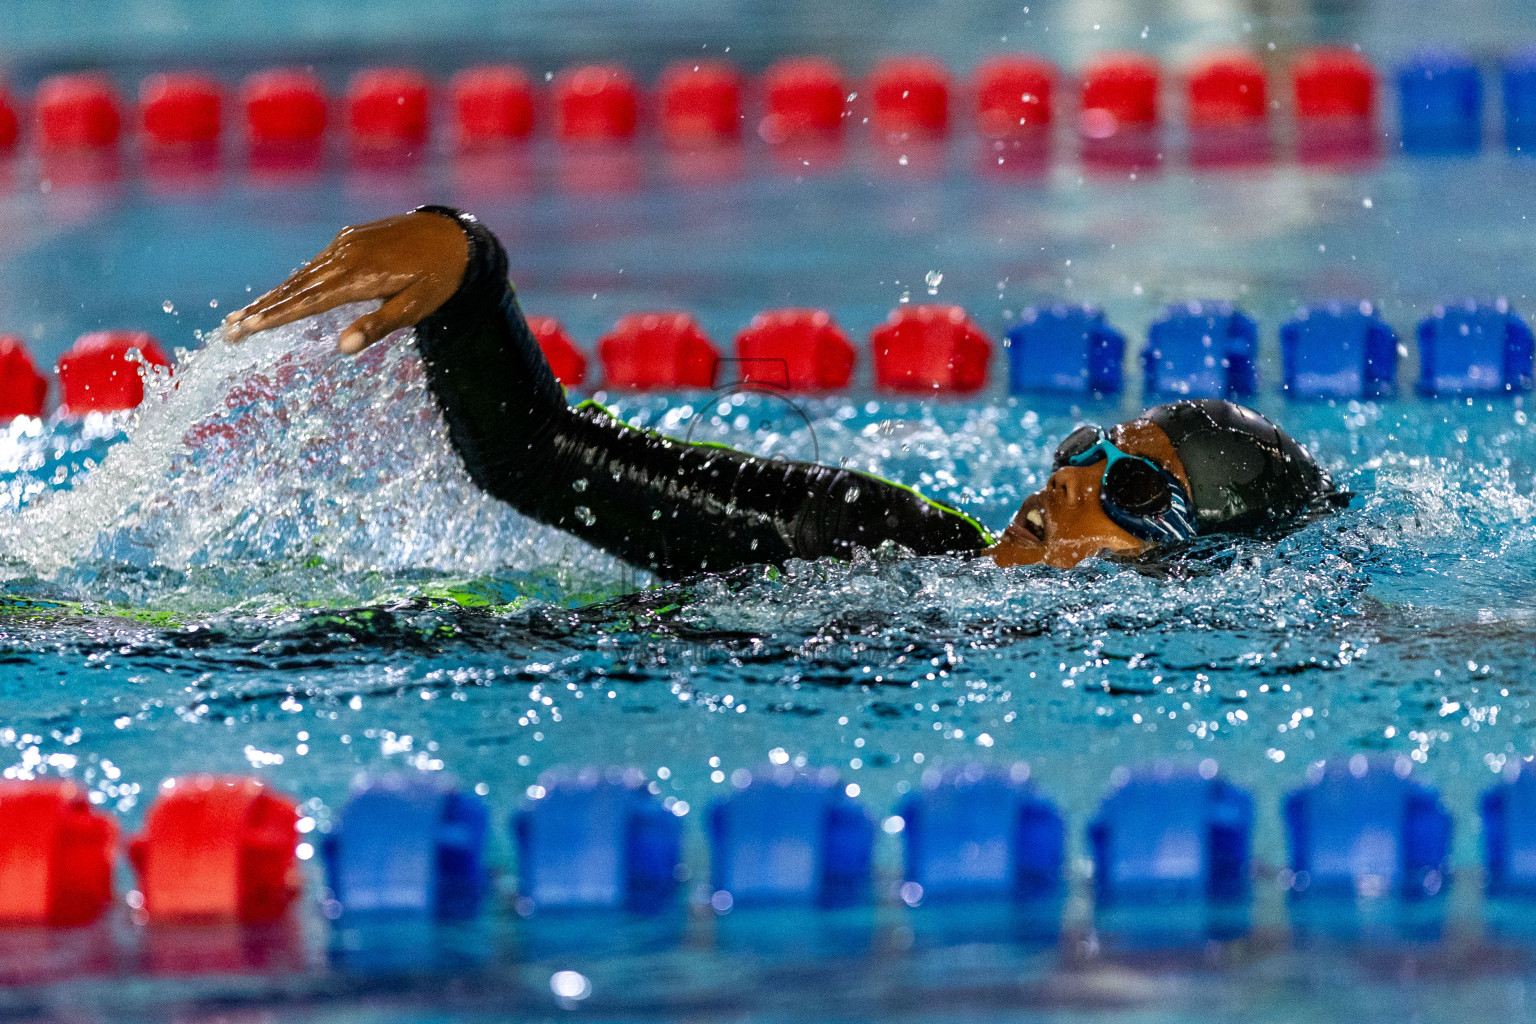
[278,567]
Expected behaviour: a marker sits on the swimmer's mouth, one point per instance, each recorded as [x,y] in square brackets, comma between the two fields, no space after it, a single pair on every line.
[1034,522]
[1031,519]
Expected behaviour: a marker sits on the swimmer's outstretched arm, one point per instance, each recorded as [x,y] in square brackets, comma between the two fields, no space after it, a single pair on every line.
[668,505]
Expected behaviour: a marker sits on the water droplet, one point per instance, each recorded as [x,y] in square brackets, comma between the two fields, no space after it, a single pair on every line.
[571,985]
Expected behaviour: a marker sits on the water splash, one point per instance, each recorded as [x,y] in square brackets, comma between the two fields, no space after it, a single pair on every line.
[258,464]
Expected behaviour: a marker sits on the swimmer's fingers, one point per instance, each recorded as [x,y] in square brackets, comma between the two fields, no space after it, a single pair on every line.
[306,298]
[337,261]
[325,266]
[385,259]
[404,310]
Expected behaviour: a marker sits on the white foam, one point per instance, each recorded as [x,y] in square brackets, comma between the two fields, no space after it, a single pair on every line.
[278,453]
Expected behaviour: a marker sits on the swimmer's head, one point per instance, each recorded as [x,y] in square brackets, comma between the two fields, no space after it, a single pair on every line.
[1246,474]
[1178,471]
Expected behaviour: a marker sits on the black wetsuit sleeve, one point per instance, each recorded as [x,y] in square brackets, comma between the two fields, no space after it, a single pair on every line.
[675,507]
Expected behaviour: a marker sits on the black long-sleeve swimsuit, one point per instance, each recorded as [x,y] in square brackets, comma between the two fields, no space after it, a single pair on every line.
[674,507]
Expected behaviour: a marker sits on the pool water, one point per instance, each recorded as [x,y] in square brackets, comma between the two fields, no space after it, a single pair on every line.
[284,567]
[277,566]
[219,555]
[283,570]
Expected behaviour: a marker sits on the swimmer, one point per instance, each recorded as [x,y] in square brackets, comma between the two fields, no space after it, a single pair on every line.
[1178,471]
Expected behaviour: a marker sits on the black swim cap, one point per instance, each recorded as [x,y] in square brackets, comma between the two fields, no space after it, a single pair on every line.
[1246,473]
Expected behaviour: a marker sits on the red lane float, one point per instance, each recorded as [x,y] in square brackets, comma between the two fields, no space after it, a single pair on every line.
[700,103]
[911,98]
[796,349]
[77,112]
[388,110]
[565,359]
[97,375]
[56,855]
[1228,111]
[22,389]
[1013,95]
[1118,121]
[217,849]
[1334,90]
[804,100]
[1119,91]
[596,103]
[493,105]
[284,109]
[10,121]
[181,111]
[1333,81]
[1227,89]
[930,348]
[658,350]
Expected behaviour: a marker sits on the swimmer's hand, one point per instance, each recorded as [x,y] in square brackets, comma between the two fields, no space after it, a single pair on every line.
[413,262]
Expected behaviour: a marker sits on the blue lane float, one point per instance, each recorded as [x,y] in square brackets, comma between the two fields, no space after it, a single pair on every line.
[1067,349]
[596,840]
[1339,351]
[1170,834]
[791,838]
[1442,104]
[1362,827]
[976,833]
[1470,348]
[413,847]
[1509,837]
[1201,350]
[409,845]
[1520,103]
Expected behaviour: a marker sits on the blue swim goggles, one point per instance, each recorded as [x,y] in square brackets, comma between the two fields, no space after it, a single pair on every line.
[1138,495]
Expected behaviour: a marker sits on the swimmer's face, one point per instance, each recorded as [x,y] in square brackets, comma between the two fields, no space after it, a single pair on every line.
[1063,523]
